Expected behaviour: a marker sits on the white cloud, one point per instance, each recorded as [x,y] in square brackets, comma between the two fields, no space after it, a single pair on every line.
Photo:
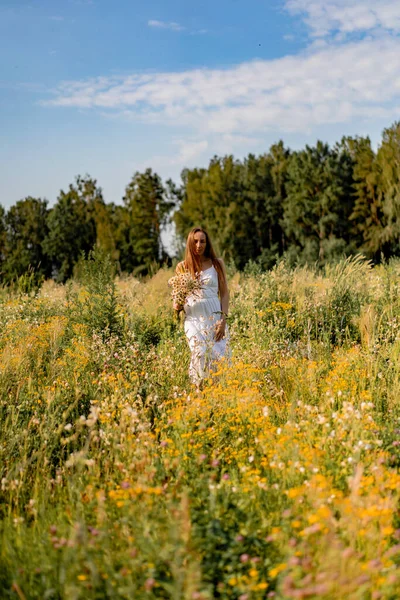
[189,151]
[196,152]
[199,32]
[328,85]
[165,25]
[182,153]
[347,16]
[173,26]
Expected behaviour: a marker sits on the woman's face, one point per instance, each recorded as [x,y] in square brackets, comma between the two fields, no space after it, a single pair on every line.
[200,243]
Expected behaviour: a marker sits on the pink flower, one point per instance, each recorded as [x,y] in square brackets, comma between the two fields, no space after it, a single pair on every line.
[149,583]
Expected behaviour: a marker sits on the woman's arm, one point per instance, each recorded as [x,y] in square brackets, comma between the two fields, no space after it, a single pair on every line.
[224,297]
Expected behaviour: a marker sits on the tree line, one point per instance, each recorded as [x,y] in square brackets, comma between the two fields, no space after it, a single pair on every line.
[52,240]
[312,206]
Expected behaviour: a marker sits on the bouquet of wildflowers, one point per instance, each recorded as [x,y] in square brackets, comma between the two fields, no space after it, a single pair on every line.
[182,286]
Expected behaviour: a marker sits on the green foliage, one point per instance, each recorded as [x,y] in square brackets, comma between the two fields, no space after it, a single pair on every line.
[72,229]
[118,481]
[25,231]
[335,319]
[367,214]
[388,167]
[311,207]
[328,314]
[146,330]
[239,204]
[29,283]
[145,211]
[318,204]
[218,530]
[97,304]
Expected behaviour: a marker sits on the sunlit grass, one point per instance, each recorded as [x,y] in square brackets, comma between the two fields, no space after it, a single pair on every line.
[279,480]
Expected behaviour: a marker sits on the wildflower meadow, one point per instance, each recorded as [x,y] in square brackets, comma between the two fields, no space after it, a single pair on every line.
[280,479]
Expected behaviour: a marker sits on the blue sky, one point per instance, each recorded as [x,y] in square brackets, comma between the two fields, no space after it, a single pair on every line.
[108,88]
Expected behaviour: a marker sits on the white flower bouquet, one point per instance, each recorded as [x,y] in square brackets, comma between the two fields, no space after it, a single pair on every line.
[182,286]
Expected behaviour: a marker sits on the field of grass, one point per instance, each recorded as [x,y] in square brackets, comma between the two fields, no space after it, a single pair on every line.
[279,480]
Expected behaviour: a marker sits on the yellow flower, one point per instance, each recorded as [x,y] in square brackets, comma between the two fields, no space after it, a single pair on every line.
[262,586]
[296,524]
[294,492]
[278,569]
[253,572]
[324,512]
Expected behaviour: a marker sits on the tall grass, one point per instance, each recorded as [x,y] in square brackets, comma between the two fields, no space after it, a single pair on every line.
[279,480]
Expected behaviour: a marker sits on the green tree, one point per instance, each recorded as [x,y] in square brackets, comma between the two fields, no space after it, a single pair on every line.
[72,227]
[261,212]
[25,231]
[280,159]
[192,206]
[240,204]
[99,212]
[367,213]
[145,212]
[388,186]
[212,198]
[319,203]
[223,194]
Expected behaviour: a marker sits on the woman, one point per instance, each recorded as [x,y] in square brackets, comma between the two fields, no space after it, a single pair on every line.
[206,312]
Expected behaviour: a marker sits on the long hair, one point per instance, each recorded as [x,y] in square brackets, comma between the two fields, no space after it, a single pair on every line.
[193,263]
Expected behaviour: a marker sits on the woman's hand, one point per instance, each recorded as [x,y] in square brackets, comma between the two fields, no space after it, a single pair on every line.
[220,327]
[177,306]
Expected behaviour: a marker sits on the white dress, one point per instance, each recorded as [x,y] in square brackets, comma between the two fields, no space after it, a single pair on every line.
[202,311]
